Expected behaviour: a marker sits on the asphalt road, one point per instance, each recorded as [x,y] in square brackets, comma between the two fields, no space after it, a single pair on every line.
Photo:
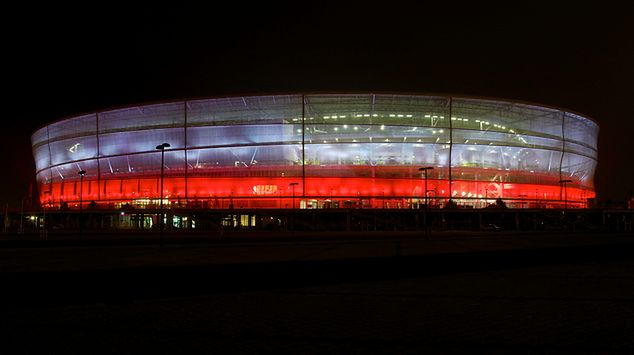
[449,294]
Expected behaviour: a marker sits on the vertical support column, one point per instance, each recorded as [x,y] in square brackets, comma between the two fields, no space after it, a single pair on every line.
[563,151]
[98,155]
[186,161]
[303,150]
[50,163]
[450,146]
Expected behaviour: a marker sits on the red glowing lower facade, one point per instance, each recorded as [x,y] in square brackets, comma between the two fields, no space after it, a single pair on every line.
[320,151]
[315,192]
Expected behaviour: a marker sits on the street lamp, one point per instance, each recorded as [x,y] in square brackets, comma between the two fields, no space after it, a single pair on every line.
[292,185]
[162,147]
[424,170]
[564,181]
[81,198]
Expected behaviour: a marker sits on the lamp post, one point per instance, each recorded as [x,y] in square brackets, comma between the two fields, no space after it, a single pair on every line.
[564,181]
[162,147]
[292,185]
[81,198]
[424,170]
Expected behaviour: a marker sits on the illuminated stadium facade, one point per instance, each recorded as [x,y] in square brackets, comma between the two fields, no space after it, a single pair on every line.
[341,150]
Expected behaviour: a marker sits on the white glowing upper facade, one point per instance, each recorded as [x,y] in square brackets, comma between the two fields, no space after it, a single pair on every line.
[327,135]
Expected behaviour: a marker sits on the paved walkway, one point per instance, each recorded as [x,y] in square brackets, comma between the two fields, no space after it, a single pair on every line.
[103,252]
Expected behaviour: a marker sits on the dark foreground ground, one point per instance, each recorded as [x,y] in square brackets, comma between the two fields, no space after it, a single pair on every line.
[375,294]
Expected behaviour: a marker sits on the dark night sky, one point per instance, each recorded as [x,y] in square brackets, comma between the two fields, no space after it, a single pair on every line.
[61,61]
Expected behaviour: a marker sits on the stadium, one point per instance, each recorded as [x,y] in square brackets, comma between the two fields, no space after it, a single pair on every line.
[319,151]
